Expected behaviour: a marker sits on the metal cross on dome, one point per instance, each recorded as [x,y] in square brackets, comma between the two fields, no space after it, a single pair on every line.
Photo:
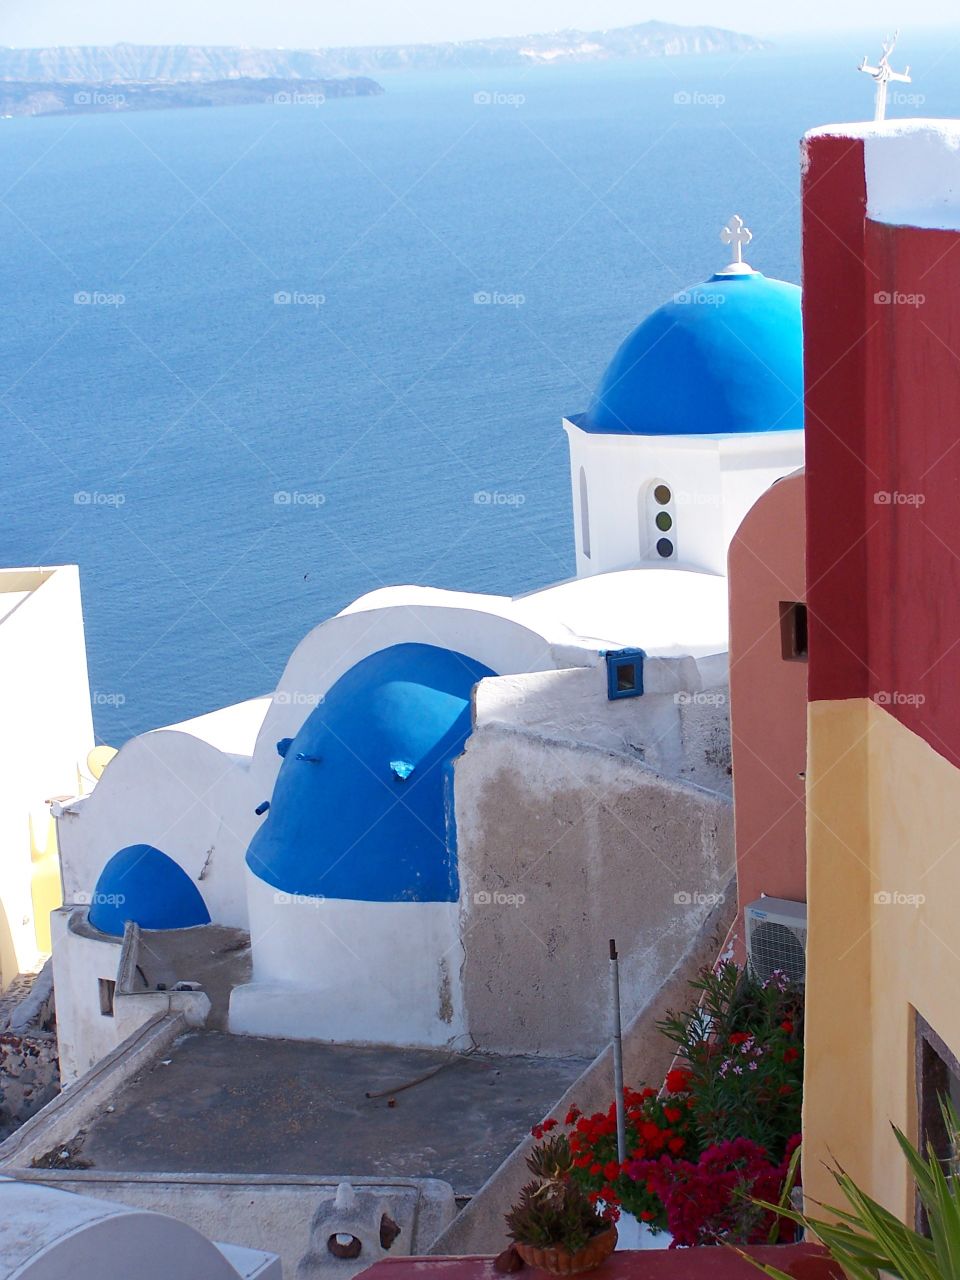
[737,233]
[882,74]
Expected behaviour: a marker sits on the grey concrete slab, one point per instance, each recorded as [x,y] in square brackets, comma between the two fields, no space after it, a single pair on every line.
[237,1104]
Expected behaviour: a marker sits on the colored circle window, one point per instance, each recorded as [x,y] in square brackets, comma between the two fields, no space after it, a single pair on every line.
[662,494]
[664,521]
[664,548]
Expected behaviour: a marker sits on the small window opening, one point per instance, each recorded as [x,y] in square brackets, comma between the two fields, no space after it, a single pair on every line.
[625,673]
[108,989]
[938,1076]
[658,522]
[793,631]
[584,515]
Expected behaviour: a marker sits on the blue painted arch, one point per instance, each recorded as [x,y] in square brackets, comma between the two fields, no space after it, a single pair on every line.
[142,884]
[722,358]
[362,808]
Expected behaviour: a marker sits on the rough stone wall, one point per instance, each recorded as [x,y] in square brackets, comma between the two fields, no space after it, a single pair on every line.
[29,1062]
[29,1076]
[562,848]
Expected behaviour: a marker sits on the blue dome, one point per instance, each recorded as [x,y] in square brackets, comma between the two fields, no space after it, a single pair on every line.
[363,806]
[144,885]
[722,358]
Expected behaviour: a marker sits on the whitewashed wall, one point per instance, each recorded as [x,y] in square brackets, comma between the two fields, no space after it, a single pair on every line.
[47,732]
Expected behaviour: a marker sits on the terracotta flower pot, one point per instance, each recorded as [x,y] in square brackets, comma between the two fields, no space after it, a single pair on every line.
[560,1262]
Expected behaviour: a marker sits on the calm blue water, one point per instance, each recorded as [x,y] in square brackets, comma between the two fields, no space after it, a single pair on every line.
[199,398]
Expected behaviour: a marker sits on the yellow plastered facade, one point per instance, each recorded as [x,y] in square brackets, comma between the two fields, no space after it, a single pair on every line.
[883,884]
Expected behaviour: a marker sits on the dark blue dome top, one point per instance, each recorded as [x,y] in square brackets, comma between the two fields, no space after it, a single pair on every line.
[146,886]
[363,806]
[724,357]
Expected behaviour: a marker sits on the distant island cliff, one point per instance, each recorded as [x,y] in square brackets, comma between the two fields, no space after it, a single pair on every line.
[131,77]
[82,97]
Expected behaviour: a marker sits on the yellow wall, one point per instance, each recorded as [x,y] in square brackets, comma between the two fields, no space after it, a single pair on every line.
[883,818]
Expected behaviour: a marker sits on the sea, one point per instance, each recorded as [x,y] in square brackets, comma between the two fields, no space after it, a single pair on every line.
[257,361]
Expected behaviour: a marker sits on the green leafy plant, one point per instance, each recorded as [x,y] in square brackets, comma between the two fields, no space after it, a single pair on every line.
[553,1211]
[742,1046]
[866,1239]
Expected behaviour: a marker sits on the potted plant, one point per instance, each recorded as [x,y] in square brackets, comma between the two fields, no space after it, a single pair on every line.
[867,1240]
[554,1225]
[720,1131]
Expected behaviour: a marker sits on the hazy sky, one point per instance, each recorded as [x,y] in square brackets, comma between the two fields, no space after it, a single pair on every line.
[331,22]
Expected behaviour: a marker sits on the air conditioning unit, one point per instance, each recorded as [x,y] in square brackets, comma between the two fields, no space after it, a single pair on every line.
[776,938]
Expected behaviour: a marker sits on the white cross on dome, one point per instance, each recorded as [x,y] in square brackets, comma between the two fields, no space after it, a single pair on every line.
[737,233]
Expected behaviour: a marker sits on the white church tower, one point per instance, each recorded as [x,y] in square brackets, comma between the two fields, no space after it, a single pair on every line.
[698,413]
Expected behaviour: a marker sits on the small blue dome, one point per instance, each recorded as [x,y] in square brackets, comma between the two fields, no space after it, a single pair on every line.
[146,886]
[722,358]
[362,807]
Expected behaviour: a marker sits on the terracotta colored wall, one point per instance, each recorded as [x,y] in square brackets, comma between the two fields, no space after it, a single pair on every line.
[768,697]
[882,350]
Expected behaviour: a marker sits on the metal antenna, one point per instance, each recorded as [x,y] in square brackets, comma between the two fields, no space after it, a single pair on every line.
[882,75]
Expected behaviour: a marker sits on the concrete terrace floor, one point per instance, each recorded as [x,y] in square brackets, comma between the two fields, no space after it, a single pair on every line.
[241,1104]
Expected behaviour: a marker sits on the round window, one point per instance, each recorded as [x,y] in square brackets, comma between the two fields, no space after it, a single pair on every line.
[664,548]
[662,494]
[664,521]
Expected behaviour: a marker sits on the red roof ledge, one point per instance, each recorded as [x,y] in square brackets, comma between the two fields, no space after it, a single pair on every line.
[802,1261]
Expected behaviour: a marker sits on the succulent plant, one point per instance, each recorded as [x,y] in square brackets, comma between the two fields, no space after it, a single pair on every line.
[553,1211]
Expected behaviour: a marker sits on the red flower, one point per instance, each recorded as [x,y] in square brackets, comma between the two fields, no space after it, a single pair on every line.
[646,1216]
[537,1131]
[673,1114]
[740,1037]
[573,1115]
[596,1170]
[678,1080]
[676,1145]
[784,1090]
[786,1026]
[549,1124]
[791,1054]
[611,1171]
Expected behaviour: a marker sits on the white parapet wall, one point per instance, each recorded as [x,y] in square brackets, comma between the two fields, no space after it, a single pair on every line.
[47,1234]
[291,1215]
[98,1005]
[356,972]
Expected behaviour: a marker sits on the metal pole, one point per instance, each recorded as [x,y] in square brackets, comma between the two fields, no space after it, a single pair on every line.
[617,1053]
